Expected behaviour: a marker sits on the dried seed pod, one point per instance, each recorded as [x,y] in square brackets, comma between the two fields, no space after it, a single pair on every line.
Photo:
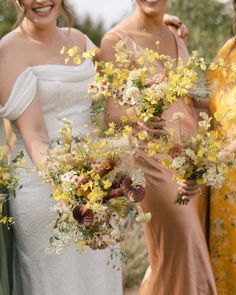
[127,185]
[83,215]
[118,192]
[137,194]
[117,182]
[108,166]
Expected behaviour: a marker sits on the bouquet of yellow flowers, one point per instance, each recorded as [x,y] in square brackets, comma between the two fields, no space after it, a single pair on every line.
[198,157]
[132,81]
[94,195]
[9,180]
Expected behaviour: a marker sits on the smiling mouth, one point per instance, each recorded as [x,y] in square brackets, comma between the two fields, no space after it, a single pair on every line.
[43,11]
[151,1]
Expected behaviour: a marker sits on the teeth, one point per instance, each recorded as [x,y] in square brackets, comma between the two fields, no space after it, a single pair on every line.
[43,9]
[151,1]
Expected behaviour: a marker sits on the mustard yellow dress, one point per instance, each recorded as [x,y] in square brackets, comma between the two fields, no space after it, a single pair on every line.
[223,200]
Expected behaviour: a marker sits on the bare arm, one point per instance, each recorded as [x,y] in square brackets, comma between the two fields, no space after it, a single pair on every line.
[31,122]
[34,132]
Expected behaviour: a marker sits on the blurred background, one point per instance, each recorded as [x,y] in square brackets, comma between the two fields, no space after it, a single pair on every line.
[209,24]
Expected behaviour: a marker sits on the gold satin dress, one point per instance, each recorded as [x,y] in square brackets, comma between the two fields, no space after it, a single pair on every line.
[223,200]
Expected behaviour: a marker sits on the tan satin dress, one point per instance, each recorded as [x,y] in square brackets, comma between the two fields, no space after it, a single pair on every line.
[177,248]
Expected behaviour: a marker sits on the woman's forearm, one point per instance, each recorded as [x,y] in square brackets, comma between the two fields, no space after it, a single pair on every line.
[202,104]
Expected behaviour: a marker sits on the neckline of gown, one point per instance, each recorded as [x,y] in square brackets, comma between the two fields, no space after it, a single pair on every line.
[180,53]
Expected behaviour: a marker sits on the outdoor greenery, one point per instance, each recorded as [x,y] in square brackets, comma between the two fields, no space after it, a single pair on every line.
[8,17]
[209,24]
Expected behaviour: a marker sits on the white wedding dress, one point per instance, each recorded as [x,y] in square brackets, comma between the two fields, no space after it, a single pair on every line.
[63,93]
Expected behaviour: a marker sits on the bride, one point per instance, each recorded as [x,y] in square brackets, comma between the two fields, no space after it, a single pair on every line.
[37,89]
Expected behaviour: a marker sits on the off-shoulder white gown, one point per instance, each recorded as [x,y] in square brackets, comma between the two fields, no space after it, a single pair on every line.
[63,93]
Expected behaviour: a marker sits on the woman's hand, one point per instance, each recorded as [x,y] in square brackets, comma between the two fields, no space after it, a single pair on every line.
[189,189]
[173,20]
[154,126]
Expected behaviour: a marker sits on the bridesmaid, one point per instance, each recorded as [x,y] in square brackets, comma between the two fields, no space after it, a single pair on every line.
[223,200]
[179,259]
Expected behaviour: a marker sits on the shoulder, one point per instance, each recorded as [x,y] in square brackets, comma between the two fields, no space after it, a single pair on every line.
[108,43]
[14,60]
[76,37]
[227,48]
[14,50]
[111,37]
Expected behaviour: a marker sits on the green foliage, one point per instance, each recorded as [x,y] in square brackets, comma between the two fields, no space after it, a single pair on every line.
[208,22]
[8,16]
[94,30]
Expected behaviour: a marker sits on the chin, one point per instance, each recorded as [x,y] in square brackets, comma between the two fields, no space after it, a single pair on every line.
[152,7]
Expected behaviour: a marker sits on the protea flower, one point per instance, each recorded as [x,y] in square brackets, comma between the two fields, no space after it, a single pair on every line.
[83,215]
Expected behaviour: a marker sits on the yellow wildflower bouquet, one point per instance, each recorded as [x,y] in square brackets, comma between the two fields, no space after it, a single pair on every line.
[94,195]
[198,157]
[9,180]
[132,81]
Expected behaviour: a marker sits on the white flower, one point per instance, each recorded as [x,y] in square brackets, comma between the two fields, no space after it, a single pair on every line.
[177,116]
[131,96]
[144,217]
[206,122]
[70,177]
[178,162]
[160,89]
[135,75]
[190,154]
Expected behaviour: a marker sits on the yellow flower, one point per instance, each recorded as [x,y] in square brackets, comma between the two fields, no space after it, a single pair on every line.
[59,195]
[96,195]
[72,51]
[107,184]
[89,53]
[152,70]
[63,50]
[77,60]
[141,60]
[142,135]
[127,130]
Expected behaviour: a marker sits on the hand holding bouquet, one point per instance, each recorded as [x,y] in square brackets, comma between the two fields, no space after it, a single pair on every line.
[93,195]
[197,159]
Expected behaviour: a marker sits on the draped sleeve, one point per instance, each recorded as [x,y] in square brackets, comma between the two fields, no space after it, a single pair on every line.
[21,96]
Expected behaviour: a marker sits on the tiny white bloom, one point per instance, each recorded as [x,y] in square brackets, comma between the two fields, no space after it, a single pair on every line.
[177,116]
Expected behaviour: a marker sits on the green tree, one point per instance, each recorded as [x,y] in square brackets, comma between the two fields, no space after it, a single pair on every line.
[94,30]
[208,22]
[8,17]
